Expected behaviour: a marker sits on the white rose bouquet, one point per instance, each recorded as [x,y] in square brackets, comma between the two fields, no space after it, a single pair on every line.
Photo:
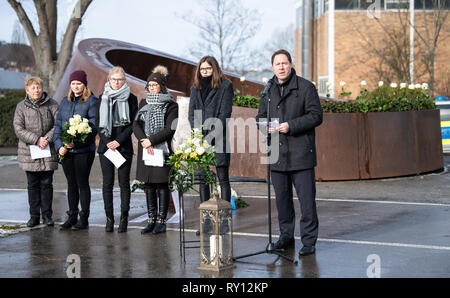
[195,155]
[76,130]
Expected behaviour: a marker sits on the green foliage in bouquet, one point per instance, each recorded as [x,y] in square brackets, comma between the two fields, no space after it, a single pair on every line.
[191,158]
[76,130]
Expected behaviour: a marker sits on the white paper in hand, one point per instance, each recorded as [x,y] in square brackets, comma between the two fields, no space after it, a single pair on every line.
[155,160]
[273,124]
[37,152]
[115,157]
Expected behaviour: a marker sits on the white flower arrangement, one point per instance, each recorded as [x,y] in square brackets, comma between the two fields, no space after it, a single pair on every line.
[76,130]
[191,157]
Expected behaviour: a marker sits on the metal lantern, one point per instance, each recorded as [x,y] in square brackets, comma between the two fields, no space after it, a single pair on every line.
[216,234]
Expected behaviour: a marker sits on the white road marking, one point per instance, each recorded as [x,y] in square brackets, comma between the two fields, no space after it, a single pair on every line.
[273,198]
[359,242]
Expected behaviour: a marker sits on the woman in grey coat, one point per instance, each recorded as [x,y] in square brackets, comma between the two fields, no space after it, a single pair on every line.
[33,124]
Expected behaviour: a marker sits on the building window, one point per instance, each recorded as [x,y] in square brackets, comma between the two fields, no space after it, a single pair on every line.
[323,88]
[320,8]
[346,4]
[396,4]
[431,4]
[390,4]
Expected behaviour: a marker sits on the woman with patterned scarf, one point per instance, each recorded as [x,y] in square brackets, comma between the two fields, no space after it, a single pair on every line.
[153,128]
[115,114]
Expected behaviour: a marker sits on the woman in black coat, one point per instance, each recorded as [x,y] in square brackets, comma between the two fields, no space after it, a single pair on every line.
[153,128]
[212,97]
[115,114]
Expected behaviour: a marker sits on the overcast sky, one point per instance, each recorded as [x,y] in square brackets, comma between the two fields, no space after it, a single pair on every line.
[150,23]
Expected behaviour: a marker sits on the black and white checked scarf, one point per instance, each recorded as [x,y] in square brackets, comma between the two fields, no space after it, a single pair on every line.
[152,114]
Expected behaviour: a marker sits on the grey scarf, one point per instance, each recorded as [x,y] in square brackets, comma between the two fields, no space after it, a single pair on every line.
[152,114]
[110,116]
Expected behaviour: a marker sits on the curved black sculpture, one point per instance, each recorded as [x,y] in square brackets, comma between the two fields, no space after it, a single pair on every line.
[97,56]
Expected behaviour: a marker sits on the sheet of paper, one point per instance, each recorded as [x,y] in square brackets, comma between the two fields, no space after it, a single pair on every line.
[37,152]
[115,157]
[156,160]
[271,123]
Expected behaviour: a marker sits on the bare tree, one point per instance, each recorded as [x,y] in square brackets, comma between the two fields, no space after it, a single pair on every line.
[281,38]
[429,32]
[20,53]
[50,65]
[393,51]
[224,31]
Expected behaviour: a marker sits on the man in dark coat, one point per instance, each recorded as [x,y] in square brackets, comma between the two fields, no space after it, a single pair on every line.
[294,101]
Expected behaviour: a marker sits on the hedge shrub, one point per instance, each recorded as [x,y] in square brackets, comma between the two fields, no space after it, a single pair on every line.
[7,107]
[382,99]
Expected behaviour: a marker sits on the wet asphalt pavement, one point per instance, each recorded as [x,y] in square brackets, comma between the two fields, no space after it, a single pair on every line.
[389,228]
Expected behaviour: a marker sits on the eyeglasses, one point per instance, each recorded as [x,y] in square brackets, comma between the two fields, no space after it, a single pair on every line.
[206,69]
[151,86]
[117,80]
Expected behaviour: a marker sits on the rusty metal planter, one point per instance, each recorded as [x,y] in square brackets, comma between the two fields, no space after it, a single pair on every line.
[378,145]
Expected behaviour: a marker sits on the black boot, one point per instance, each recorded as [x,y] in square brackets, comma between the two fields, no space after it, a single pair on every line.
[150,195]
[164,200]
[150,226]
[71,220]
[160,226]
[47,220]
[34,221]
[205,195]
[123,225]
[83,222]
[109,222]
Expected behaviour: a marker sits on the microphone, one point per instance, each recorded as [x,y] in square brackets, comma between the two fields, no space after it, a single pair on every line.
[266,88]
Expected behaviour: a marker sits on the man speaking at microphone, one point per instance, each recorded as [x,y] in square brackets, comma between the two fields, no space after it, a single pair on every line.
[295,103]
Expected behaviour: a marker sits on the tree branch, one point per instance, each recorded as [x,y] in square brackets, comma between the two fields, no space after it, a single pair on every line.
[65,52]
[26,23]
[44,36]
[52,18]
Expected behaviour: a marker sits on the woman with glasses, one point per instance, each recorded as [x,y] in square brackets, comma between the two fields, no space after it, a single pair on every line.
[153,129]
[212,98]
[115,113]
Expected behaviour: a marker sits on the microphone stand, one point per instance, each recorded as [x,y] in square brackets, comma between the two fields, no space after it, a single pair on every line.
[270,247]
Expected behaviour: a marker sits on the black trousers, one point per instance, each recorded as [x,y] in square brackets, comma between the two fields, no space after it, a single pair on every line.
[40,193]
[77,168]
[305,186]
[108,172]
[224,182]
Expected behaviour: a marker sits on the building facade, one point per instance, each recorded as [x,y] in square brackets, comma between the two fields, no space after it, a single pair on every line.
[354,40]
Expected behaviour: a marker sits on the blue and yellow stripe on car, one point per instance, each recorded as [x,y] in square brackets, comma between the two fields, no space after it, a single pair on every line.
[445,128]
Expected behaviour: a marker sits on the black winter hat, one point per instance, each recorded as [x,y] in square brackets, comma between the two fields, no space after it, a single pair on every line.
[159,75]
